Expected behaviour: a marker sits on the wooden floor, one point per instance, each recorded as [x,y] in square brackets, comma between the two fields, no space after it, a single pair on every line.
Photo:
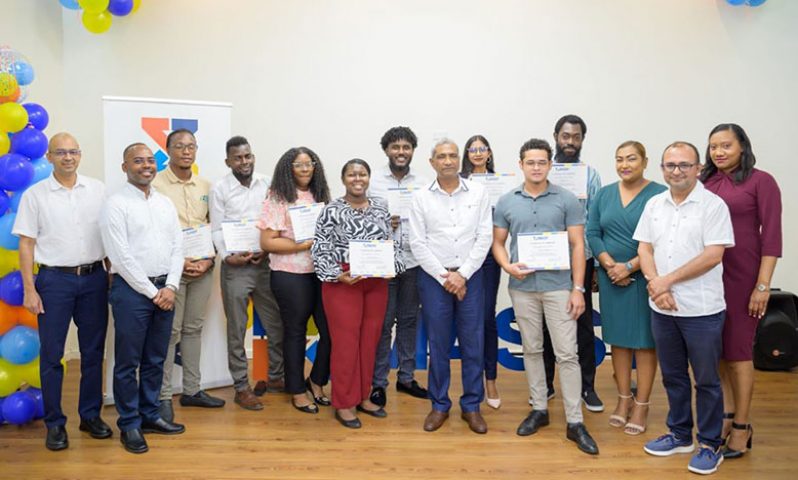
[280,442]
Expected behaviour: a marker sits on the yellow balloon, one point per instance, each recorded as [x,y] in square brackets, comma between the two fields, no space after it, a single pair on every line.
[98,22]
[93,6]
[13,117]
[9,259]
[136,5]
[8,84]
[29,373]
[9,378]
[5,143]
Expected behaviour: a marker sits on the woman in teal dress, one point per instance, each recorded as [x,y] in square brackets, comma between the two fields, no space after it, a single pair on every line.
[623,299]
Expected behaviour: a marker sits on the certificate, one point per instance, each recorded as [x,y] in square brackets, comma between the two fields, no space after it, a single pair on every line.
[399,201]
[497,184]
[371,258]
[198,243]
[303,219]
[241,236]
[544,251]
[570,176]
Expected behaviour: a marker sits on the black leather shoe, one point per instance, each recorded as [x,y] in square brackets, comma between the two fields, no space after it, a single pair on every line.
[378,396]
[532,422]
[413,389]
[162,427]
[378,413]
[134,441]
[348,423]
[577,432]
[165,410]
[201,399]
[57,438]
[321,399]
[96,428]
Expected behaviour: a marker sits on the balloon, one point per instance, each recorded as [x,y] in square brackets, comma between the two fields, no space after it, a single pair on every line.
[2,420]
[70,4]
[136,5]
[5,202]
[735,2]
[37,116]
[93,6]
[5,143]
[7,239]
[98,22]
[20,345]
[8,318]
[16,171]
[30,373]
[24,72]
[120,8]
[8,85]
[13,117]
[755,3]
[36,395]
[9,261]
[42,168]
[11,288]
[24,317]
[9,379]
[19,408]
[30,143]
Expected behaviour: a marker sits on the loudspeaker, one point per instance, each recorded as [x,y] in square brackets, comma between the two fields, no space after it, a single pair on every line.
[776,341]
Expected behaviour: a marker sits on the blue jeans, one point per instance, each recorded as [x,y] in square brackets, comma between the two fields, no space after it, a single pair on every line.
[85,298]
[403,310]
[492,272]
[699,341]
[142,339]
[442,314]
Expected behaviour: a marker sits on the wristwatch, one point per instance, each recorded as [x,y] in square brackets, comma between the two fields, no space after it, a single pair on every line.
[762,287]
[580,288]
[628,266]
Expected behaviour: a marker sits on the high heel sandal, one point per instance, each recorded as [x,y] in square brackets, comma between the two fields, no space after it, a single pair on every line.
[726,416]
[321,399]
[731,453]
[619,421]
[634,428]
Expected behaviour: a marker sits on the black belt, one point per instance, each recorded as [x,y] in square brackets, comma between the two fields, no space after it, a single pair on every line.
[79,270]
[452,269]
[158,279]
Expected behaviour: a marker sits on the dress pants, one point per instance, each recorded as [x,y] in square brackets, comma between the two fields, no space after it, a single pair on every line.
[699,341]
[442,314]
[299,296]
[355,316]
[141,342]
[85,298]
[492,272]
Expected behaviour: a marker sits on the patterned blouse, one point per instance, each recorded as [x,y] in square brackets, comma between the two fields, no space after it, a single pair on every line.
[275,217]
[339,223]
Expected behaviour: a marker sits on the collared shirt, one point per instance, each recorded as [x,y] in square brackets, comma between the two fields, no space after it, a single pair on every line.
[63,221]
[275,216]
[142,237]
[339,223]
[554,210]
[593,187]
[381,180]
[680,233]
[229,200]
[190,197]
[451,230]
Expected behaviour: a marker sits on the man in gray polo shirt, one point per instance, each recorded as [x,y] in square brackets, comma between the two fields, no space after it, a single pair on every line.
[538,206]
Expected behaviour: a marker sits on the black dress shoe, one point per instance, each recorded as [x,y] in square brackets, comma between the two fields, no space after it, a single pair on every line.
[413,389]
[201,399]
[162,427]
[577,432]
[165,410]
[532,422]
[378,396]
[379,413]
[96,428]
[355,423]
[134,441]
[56,438]
[321,399]
[309,408]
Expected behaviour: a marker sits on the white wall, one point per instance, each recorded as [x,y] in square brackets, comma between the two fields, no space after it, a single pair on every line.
[334,75]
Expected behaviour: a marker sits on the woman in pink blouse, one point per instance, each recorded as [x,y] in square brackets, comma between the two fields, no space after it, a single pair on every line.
[754,201]
[298,180]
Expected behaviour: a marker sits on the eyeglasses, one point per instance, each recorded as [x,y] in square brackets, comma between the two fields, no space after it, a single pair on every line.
[683,167]
[303,165]
[478,149]
[63,153]
[187,146]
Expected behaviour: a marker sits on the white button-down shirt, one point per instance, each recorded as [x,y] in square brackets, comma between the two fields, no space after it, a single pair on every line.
[63,221]
[680,233]
[381,180]
[142,237]
[229,200]
[451,230]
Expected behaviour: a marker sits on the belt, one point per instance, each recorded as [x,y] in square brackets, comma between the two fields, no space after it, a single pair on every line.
[452,269]
[158,279]
[79,270]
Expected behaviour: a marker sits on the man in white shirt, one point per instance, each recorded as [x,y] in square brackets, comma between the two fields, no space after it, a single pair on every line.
[57,228]
[683,233]
[239,196]
[398,143]
[450,234]
[143,240]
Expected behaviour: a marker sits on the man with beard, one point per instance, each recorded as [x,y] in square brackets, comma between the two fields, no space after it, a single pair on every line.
[239,196]
[569,133]
[398,143]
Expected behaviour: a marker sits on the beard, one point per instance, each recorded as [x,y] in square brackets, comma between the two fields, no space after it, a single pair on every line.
[561,157]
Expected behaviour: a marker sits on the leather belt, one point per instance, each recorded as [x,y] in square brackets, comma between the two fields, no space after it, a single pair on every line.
[452,269]
[79,270]
[158,279]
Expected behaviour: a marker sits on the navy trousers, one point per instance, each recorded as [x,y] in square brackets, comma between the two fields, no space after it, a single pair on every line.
[142,339]
[492,272]
[85,298]
[442,313]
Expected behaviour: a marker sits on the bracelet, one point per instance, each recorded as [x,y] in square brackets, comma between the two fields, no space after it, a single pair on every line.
[580,288]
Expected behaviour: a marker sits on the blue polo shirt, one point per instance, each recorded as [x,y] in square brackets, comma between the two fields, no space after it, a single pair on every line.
[554,210]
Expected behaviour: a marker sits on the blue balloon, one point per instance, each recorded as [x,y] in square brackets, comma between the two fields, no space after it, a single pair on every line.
[2,420]
[23,71]
[8,240]
[37,116]
[11,286]
[19,408]
[42,168]
[20,345]
[13,201]
[755,3]
[5,202]
[29,142]
[16,172]
[120,8]
[70,4]
[736,3]
[36,394]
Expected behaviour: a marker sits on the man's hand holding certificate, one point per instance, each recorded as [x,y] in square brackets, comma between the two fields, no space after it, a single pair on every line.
[303,219]
[371,258]
[544,251]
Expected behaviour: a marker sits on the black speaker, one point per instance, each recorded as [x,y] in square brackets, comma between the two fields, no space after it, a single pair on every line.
[776,341]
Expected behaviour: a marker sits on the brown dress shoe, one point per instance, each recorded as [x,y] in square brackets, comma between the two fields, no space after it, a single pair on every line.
[247,400]
[434,420]
[475,422]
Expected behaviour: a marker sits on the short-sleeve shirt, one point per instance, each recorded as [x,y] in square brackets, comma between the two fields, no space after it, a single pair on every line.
[554,210]
[275,217]
[190,197]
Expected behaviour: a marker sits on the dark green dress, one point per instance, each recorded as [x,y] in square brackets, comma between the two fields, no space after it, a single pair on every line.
[625,314]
